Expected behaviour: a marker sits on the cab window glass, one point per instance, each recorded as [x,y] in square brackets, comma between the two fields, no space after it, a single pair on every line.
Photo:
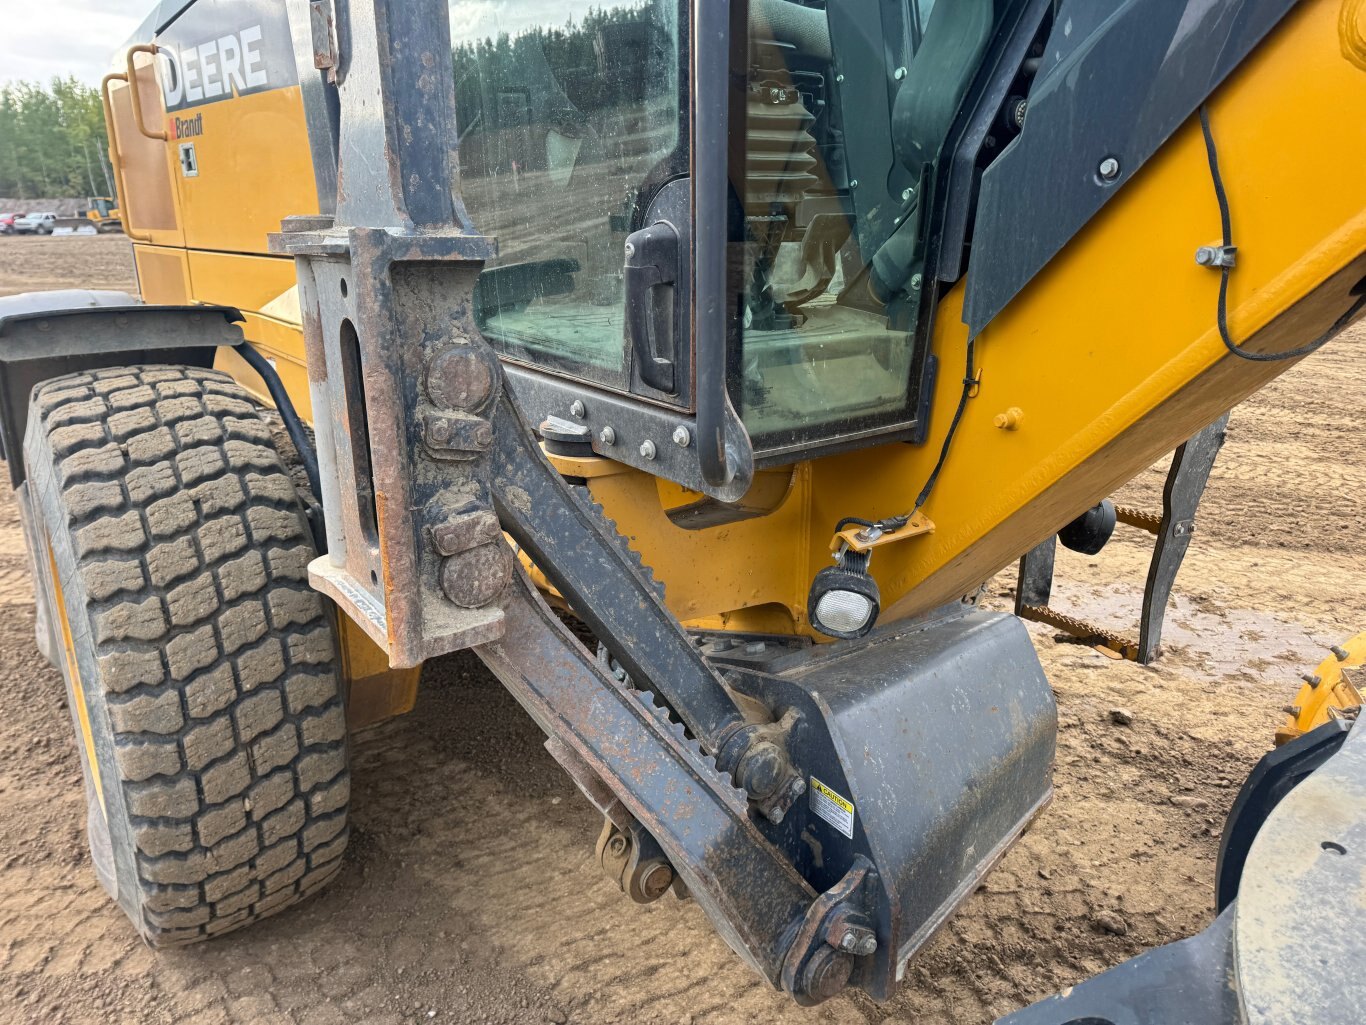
[568,122]
[847,105]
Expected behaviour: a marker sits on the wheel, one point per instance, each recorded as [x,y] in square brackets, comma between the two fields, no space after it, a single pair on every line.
[201,670]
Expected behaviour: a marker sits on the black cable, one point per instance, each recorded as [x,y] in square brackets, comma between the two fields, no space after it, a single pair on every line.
[1225,221]
[293,425]
[892,523]
[969,382]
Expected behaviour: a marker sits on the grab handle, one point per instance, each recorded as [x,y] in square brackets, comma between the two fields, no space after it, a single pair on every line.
[116,159]
[132,80]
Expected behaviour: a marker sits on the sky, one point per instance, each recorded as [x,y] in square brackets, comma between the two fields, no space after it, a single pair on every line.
[78,37]
[65,37]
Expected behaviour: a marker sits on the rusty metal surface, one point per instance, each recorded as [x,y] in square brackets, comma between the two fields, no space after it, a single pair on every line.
[385,290]
[613,592]
[1126,647]
[1140,518]
[750,891]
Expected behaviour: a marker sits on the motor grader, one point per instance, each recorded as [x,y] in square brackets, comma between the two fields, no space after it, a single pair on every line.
[753,336]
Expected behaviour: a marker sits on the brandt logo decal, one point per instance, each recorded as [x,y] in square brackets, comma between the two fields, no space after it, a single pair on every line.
[189,127]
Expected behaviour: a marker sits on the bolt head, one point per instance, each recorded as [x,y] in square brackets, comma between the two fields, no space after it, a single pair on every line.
[1108,169]
[839,78]
[630,250]
[608,436]
[906,193]
[656,881]
[826,973]
[576,408]
[760,773]
[916,281]
[647,449]
[853,184]
[460,378]
[474,578]
[899,74]
[682,437]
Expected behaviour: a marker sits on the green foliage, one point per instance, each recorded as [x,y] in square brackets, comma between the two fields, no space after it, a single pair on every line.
[52,140]
[587,65]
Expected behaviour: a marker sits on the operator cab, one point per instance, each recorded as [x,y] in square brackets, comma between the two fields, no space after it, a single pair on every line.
[595,146]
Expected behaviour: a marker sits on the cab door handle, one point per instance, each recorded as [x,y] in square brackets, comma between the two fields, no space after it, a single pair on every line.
[650,274]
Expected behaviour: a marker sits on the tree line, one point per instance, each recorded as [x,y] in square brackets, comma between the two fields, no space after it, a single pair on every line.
[52,141]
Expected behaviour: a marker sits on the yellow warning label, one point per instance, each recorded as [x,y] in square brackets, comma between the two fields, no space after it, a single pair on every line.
[834,808]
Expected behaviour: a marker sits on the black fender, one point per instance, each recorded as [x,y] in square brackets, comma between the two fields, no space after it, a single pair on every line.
[47,334]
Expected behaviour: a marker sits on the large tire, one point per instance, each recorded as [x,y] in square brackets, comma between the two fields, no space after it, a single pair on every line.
[201,669]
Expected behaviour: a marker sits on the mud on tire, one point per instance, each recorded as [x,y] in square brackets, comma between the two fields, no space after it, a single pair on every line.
[208,668]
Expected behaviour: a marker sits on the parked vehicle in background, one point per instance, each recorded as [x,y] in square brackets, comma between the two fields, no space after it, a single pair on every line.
[35,224]
[7,222]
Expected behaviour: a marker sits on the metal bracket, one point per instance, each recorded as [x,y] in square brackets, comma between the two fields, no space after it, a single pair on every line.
[1216,256]
[1186,480]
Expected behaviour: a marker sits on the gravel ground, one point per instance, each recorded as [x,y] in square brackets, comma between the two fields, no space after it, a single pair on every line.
[470,894]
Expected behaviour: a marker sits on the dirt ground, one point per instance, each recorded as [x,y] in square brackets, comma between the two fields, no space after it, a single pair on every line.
[470,894]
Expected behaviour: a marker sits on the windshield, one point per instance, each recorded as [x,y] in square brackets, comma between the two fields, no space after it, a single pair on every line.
[569,121]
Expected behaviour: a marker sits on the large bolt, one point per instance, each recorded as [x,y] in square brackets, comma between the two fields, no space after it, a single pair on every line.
[647,449]
[761,769]
[460,378]
[1108,169]
[682,437]
[826,973]
[475,577]
[1340,653]
[656,881]
[577,408]
[608,436]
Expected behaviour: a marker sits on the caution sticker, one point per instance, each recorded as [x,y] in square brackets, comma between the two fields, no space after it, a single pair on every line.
[836,810]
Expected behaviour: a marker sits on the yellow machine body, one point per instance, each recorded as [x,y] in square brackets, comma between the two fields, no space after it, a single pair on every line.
[1109,358]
